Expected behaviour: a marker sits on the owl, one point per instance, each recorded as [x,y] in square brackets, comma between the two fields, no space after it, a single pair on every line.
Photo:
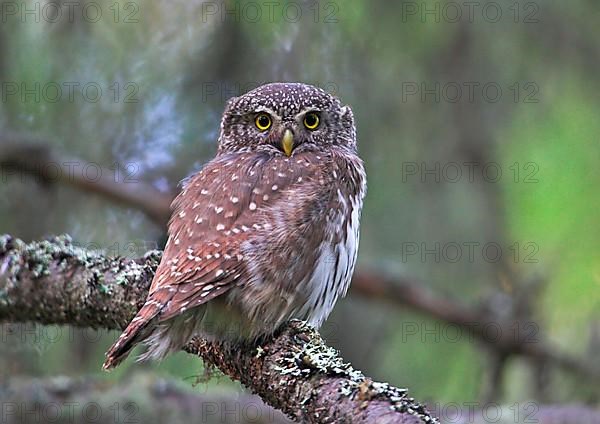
[266,232]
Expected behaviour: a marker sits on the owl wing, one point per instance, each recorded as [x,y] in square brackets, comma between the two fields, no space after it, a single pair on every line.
[234,200]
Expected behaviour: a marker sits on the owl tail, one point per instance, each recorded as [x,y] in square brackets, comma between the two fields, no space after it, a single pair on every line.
[140,328]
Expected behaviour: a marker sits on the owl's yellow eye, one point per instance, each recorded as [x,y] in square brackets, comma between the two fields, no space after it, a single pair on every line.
[263,121]
[311,120]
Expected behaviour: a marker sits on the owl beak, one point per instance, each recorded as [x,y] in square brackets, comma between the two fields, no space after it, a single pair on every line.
[287,142]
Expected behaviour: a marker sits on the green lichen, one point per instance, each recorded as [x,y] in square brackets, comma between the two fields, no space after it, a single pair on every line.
[313,357]
[4,240]
[134,272]
[39,257]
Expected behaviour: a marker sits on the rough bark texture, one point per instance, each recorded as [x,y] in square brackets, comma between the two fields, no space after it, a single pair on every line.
[54,282]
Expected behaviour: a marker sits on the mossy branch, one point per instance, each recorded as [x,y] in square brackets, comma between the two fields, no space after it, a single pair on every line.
[55,282]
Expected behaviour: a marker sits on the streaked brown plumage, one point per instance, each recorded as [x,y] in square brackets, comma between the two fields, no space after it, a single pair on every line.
[267,231]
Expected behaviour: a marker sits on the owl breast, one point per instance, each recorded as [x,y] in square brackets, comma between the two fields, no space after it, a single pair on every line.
[304,262]
[335,264]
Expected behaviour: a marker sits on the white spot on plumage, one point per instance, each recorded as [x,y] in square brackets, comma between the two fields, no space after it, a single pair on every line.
[252,206]
[220,227]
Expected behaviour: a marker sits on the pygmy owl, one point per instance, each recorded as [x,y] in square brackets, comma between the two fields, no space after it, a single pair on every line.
[267,231]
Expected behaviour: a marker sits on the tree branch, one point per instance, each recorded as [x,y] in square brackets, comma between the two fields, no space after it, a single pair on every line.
[19,154]
[510,338]
[54,282]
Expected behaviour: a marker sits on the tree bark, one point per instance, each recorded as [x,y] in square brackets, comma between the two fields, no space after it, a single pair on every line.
[55,282]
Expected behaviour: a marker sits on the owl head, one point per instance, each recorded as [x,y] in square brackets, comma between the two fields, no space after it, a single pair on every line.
[286,118]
